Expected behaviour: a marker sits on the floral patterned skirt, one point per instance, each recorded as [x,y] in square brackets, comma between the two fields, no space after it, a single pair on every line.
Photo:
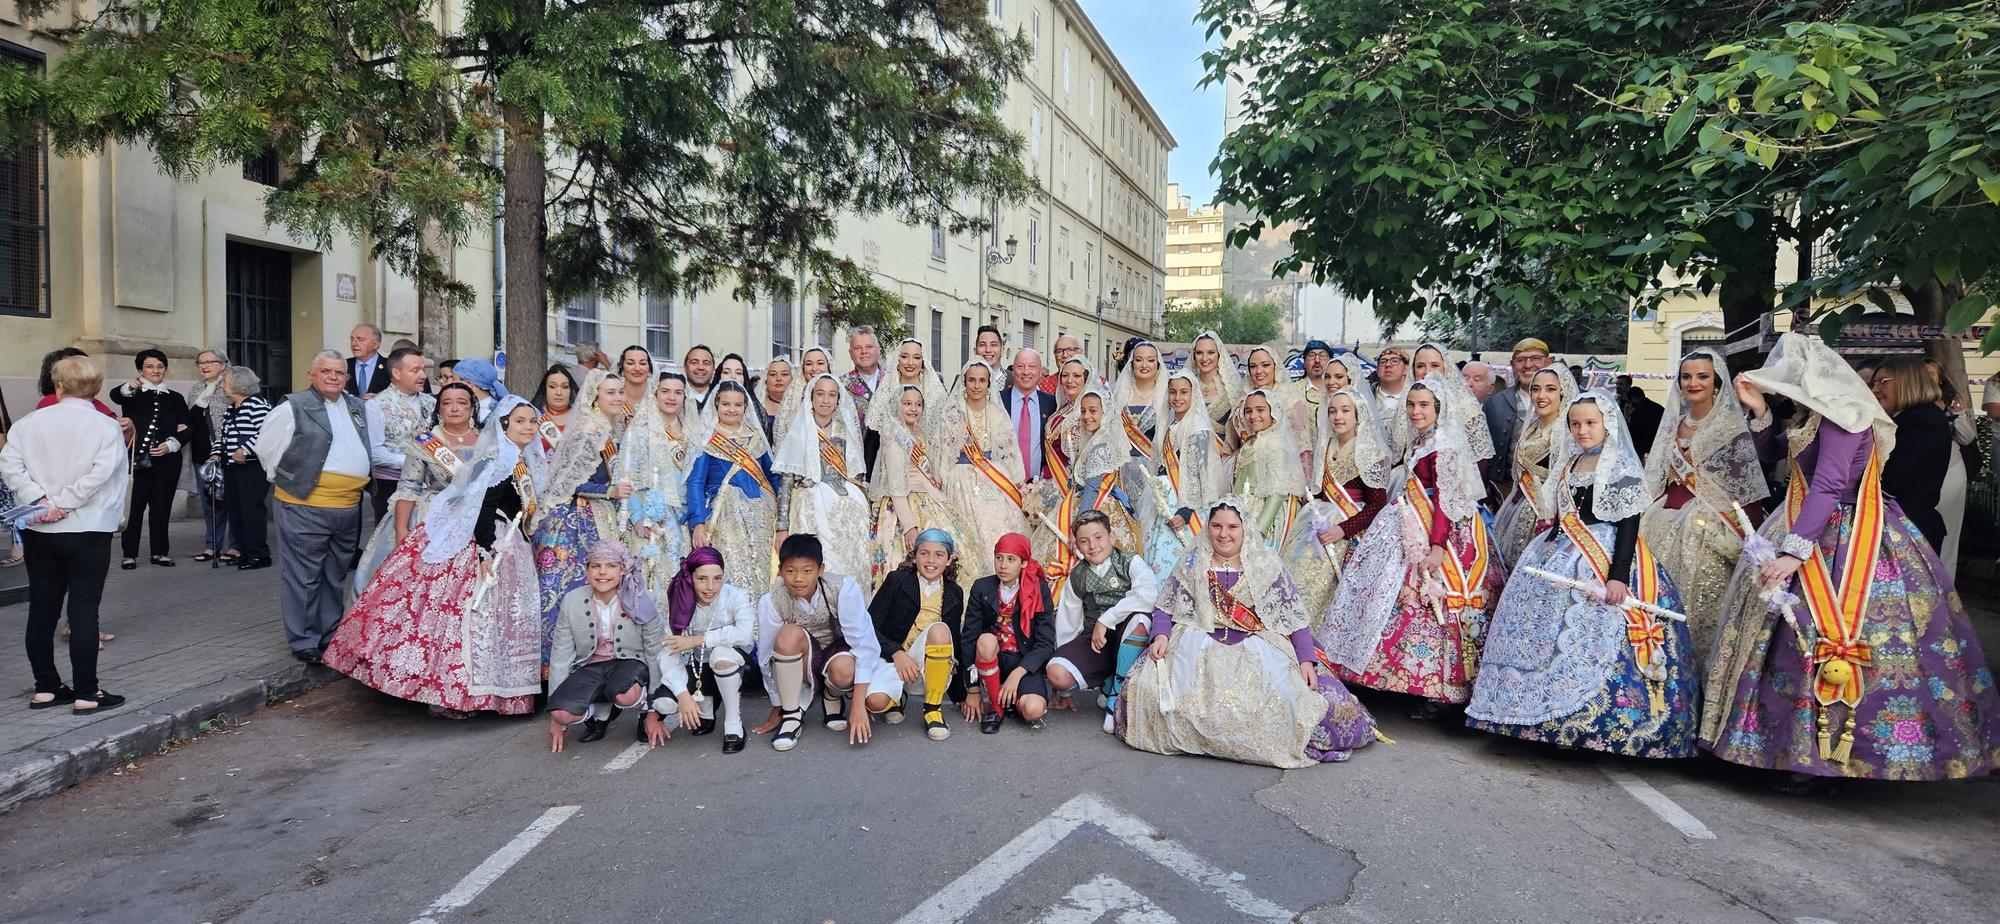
[1379,639]
[562,541]
[1928,709]
[405,635]
[1697,547]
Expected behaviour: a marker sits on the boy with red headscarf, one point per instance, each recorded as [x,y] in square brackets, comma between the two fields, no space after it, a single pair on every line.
[1008,612]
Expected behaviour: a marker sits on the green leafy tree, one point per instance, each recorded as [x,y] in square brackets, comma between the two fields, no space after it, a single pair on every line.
[1567,329]
[680,146]
[1232,318]
[1880,127]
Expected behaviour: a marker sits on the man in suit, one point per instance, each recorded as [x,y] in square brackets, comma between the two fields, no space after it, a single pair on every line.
[1029,408]
[1642,413]
[367,372]
[865,349]
[1507,408]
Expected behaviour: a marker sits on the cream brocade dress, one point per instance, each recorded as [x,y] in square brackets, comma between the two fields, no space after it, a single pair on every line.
[1694,540]
[832,507]
[984,510]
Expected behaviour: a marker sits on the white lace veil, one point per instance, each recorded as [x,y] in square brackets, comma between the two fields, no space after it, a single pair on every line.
[1468,409]
[1357,377]
[1810,373]
[881,481]
[1126,392]
[1374,461]
[453,514]
[1195,423]
[1729,471]
[1258,588]
[1267,464]
[1460,487]
[579,452]
[1225,369]
[1618,486]
[882,408]
[645,453]
[795,393]
[711,417]
[798,452]
[1103,452]
[995,428]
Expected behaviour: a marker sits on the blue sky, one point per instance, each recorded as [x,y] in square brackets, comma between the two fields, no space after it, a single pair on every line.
[1160,45]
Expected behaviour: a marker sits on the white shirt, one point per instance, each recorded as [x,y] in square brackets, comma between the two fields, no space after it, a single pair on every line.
[364,371]
[68,455]
[729,622]
[1137,601]
[347,456]
[850,613]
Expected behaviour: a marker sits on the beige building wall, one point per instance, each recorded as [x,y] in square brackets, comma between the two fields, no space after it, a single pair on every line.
[1194,250]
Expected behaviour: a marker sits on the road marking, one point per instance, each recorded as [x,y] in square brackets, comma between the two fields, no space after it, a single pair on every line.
[626,758]
[1104,897]
[956,900]
[1668,810]
[496,865]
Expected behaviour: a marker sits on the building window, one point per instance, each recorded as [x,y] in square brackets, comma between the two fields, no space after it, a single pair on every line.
[1034,239]
[965,338]
[1065,71]
[580,323]
[937,242]
[1031,332]
[937,339]
[1000,10]
[263,168]
[1035,36]
[24,224]
[659,323]
[781,325]
[910,318]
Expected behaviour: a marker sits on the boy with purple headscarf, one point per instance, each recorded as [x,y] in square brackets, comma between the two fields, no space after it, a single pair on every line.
[711,628]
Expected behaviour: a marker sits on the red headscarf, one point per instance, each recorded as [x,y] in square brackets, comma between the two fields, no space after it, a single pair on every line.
[1028,602]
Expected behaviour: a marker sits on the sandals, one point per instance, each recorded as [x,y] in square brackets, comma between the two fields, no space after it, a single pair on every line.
[790,722]
[934,725]
[63,697]
[164,561]
[128,564]
[105,701]
[205,555]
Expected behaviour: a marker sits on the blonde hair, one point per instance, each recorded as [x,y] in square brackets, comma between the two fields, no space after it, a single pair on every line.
[77,376]
[1911,383]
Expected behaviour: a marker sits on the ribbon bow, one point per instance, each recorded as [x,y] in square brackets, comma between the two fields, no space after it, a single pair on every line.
[1838,677]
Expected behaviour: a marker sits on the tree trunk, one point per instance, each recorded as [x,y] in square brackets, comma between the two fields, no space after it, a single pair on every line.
[1931,304]
[526,235]
[1751,257]
[436,324]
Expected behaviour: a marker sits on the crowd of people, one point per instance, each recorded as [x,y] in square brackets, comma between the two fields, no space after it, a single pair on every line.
[1213,555]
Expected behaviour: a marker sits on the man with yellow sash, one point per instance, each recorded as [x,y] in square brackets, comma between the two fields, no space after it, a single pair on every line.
[314,447]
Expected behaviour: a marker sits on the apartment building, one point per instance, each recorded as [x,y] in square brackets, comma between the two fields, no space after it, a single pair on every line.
[1194,250]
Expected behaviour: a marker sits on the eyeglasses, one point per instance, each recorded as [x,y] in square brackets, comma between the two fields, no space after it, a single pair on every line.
[208,362]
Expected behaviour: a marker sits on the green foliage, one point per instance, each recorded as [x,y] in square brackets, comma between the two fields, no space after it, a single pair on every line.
[1568,330]
[1232,318]
[1880,125]
[690,144]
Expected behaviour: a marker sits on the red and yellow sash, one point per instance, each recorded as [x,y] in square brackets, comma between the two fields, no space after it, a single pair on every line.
[986,467]
[433,445]
[1337,494]
[1172,459]
[1052,456]
[524,484]
[1138,436]
[550,431]
[1646,633]
[1465,585]
[833,457]
[920,459]
[1839,655]
[729,449]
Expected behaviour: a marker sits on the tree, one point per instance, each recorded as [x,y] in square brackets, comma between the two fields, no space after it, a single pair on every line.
[1882,128]
[1567,329]
[680,146]
[1232,318]
[1463,156]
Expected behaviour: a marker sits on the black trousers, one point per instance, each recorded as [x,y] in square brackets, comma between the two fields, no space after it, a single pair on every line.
[152,503]
[244,491]
[65,566]
[379,492]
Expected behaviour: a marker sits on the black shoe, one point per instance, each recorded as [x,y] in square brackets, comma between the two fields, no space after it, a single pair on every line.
[934,724]
[1424,711]
[64,696]
[104,701]
[898,712]
[128,564]
[252,564]
[732,743]
[642,730]
[706,726]
[990,724]
[164,561]
[594,729]
[790,723]
[833,714]
[309,656]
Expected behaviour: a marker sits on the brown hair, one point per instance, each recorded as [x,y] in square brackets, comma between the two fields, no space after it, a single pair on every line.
[1910,383]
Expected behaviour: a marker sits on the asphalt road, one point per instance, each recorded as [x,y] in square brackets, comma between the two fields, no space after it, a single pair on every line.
[348,806]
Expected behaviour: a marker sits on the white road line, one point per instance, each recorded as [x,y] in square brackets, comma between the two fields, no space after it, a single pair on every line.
[987,876]
[496,865]
[1105,897]
[626,758]
[1668,810]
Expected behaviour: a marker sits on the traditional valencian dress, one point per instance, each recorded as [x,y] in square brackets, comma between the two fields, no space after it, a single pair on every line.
[1354,478]
[984,482]
[575,510]
[1563,668]
[1230,685]
[1882,677]
[907,488]
[1187,473]
[1697,483]
[1063,436]
[1424,643]
[429,628]
[1096,480]
[1220,395]
[820,490]
[657,453]
[1534,453]
[428,464]
[731,490]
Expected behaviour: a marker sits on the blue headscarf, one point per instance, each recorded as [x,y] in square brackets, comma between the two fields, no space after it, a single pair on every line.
[481,373]
[938,536]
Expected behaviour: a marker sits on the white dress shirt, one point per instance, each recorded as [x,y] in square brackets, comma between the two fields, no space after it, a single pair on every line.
[347,456]
[1030,404]
[1137,601]
[69,456]
[857,628]
[729,622]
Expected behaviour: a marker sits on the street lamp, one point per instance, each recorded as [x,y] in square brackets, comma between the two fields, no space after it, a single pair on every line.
[1102,304]
[993,257]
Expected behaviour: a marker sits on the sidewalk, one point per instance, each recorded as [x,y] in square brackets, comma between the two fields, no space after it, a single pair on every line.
[194,644]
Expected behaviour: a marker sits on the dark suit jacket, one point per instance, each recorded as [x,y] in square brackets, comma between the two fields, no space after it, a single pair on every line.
[894,611]
[376,384]
[1643,414]
[982,616]
[1048,406]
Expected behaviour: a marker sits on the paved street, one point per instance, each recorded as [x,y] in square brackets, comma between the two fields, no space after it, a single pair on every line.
[345,805]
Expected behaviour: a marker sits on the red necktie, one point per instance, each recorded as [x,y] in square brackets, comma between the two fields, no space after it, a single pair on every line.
[1025,426]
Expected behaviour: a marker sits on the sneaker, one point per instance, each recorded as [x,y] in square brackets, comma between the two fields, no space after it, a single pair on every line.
[990,723]
[1110,723]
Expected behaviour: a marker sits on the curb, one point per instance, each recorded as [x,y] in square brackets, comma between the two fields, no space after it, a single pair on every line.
[77,757]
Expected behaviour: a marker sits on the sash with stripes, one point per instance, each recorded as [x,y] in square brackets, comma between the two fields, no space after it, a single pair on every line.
[1646,633]
[729,449]
[1140,442]
[1171,458]
[1058,469]
[835,459]
[433,445]
[1464,584]
[524,485]
[550,431]
[1839,654]
[920,459]
[986,467]
[1337,493]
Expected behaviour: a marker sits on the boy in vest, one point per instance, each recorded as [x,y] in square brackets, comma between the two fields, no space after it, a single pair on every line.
[917,613]
[607,635]
[812,620]
[1102,617]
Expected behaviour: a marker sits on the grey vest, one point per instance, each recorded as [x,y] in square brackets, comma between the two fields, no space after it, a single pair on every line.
[312,437]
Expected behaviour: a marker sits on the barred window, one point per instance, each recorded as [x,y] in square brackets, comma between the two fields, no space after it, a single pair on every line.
[263,168]
[580,324]
[781,326]
[659,324]
[24,225]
